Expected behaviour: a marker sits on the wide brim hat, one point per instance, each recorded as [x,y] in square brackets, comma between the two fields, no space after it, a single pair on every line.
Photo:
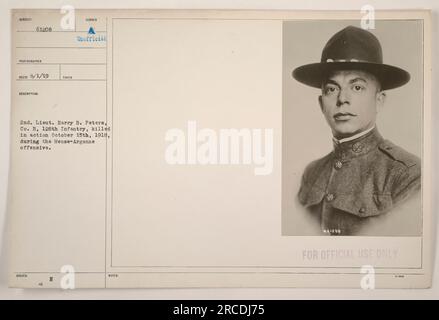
[352,49]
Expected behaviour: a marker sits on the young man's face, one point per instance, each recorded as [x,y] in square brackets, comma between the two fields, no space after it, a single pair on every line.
[350,101]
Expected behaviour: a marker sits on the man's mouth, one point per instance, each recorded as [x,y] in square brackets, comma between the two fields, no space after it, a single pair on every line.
[343,116]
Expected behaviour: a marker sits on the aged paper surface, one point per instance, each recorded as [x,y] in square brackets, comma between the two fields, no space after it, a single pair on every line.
[166,149]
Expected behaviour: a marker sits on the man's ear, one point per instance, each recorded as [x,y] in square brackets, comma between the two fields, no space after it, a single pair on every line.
[320,103]
[381,99]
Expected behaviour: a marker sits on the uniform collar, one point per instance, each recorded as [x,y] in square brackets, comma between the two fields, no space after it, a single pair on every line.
[355,136]
[359,144]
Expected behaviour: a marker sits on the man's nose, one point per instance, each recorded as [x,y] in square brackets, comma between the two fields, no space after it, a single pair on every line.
[343,97]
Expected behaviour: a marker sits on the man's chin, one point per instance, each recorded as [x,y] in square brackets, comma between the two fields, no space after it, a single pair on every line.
[342,133]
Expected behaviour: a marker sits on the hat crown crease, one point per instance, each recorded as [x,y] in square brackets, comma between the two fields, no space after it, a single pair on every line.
[353,44]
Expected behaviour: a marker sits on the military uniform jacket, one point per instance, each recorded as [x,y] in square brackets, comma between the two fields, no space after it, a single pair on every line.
[362,178]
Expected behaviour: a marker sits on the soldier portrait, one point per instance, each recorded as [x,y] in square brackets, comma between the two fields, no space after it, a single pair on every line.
[366,183]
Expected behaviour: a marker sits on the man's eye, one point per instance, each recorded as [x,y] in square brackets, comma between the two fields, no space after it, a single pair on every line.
[358,88]
[329,90]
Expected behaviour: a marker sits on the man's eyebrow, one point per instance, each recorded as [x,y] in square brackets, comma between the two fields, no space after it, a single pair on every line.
[357,79]
[330,81]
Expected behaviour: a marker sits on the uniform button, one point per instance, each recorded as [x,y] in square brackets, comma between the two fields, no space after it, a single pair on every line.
[362,210]
[357,147]
[330,197]
[338,164]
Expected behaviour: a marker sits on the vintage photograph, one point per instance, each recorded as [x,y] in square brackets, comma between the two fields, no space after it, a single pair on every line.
[366,88]
[220,148]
